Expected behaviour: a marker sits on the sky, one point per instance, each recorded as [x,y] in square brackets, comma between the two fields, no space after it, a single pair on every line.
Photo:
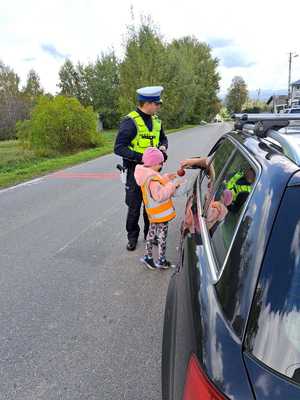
[250,38]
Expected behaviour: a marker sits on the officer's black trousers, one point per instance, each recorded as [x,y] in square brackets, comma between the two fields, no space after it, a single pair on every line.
[134,200]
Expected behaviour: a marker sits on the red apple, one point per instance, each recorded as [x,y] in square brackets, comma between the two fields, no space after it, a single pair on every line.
[181,172]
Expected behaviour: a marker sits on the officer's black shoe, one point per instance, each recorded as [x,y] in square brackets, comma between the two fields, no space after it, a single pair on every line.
[131,245]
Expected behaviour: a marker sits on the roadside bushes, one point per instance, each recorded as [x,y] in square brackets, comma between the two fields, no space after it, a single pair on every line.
[59,125]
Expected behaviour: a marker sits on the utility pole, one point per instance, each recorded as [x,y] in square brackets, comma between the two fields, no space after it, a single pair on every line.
[291,55]
[289,82]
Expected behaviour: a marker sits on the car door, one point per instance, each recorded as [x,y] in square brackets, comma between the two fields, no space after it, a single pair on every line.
[181,328]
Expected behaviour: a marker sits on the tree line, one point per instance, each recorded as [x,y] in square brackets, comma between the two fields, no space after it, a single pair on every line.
[185,68]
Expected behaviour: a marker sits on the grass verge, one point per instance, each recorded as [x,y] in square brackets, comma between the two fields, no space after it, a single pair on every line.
[18,165]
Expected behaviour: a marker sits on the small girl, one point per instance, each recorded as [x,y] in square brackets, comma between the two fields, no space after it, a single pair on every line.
[157,191]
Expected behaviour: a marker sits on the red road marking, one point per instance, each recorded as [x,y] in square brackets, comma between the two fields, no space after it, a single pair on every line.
[85,175]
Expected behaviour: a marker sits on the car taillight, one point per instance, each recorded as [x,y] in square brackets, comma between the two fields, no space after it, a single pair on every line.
[197,386]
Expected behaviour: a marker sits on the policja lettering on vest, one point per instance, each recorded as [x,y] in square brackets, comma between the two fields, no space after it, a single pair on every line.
[139,130]
[144,138]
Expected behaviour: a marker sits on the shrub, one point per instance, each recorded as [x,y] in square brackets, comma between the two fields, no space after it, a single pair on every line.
[59,125]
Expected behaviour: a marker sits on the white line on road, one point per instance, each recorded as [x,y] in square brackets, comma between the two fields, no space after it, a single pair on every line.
[32,182]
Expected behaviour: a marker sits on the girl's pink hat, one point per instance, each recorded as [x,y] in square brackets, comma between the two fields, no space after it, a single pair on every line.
[152,156]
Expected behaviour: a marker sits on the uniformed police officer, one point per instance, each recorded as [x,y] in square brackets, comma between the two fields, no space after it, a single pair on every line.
[139,130]
[240,184]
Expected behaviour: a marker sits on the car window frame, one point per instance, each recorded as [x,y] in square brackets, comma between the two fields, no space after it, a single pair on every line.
[216,273]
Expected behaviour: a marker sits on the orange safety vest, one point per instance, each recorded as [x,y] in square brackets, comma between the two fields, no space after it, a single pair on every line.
[158,211]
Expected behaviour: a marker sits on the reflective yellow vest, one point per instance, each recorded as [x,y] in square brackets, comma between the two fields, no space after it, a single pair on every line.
[235,188]
[158,212]
[144,138]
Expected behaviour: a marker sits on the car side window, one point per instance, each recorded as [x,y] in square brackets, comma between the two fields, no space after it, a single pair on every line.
[230,192]
[218,160]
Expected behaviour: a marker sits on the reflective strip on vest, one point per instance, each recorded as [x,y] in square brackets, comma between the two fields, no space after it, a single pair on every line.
[235,188]
[157,212]
[144,138]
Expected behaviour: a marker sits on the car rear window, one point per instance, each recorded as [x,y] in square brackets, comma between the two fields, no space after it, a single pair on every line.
[273,334]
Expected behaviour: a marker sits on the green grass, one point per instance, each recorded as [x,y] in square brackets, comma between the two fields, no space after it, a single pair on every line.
[18,165]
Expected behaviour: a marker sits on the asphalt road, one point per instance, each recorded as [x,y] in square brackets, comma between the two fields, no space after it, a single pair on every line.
[80,317]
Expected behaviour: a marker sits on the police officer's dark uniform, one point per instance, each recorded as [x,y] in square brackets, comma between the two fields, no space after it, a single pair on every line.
[137,132]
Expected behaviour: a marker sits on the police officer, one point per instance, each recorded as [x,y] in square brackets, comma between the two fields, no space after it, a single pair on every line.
[240,185]
[139,130]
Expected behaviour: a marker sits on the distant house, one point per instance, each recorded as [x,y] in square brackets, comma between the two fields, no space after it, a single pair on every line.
[278,103]
[295,93]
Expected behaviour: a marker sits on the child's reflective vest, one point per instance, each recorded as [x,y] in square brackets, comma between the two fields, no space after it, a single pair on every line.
[158,211]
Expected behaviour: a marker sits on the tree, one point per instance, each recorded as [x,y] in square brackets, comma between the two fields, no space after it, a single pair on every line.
[72,82]
[254,106]
[96,85]
[143,65]
[12,106]
[185,68]
[33,89]
[237,95]
[199,80]
[59,125]
[102,79]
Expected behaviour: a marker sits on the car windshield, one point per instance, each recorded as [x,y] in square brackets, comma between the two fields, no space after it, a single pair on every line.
[274,330]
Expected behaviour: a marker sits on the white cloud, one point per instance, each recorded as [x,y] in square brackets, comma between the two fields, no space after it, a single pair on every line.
[252,39]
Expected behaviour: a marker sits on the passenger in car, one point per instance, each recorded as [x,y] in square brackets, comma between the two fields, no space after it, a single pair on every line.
[240,184]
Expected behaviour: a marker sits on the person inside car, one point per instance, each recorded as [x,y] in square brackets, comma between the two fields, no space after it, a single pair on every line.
[240,185]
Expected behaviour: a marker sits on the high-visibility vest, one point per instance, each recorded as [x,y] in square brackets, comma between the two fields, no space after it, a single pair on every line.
[144,138]
[162,211]
[235,188]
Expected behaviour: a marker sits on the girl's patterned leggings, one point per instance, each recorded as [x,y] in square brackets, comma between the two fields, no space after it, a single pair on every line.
[159,231]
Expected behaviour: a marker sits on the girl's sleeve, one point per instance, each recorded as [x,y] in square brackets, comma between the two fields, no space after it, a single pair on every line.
[161,192]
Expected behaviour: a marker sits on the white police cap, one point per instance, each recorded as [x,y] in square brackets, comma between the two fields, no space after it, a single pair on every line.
[150,93]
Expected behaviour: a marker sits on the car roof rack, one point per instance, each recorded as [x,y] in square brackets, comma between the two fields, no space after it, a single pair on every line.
[267,125]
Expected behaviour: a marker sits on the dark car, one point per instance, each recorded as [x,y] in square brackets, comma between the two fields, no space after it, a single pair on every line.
[232,315]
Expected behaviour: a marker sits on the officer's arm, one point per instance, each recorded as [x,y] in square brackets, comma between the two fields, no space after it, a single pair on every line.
[126,134]
[163,140]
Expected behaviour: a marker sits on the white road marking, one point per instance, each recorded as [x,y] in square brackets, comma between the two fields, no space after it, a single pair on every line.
[32,182]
